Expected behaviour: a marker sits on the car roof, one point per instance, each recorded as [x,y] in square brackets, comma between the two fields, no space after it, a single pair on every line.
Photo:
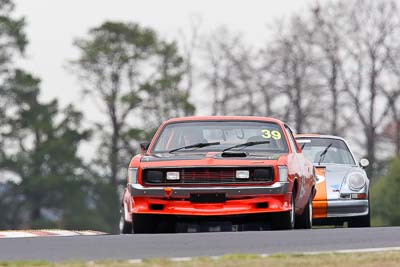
[322,136]
[224,118]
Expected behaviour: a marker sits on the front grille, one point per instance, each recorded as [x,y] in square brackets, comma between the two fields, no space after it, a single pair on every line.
[208,175]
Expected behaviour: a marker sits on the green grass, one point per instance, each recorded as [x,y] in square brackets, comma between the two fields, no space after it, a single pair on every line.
[376,259]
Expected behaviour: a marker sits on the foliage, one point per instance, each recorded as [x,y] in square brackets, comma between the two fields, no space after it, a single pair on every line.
[131,71]
[135,77]
[385,196]
[42,143]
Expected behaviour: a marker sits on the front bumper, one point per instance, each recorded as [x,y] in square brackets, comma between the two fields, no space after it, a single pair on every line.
[341,208]
[347,207]
[278,188]
[239,200]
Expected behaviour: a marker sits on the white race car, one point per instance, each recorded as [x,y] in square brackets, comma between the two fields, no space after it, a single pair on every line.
[342,184]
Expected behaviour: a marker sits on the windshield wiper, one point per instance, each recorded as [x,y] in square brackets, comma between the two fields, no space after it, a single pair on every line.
[322,156]
[246,145]
[198,145]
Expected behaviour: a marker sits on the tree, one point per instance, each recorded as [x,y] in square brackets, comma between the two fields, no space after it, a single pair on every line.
[228,73]
[392,129]
[41,149]
[110,65]
[372,35]
[292,66]
[385,198]
[190,45]
[164,95]
[12,36]
[329,25]
[12,43]
[129,71]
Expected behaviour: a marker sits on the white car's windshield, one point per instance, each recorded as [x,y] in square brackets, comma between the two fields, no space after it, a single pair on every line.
[219,135]
[326,150]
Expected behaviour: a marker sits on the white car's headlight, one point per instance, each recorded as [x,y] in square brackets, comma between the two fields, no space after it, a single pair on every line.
[356,181]
[132,175]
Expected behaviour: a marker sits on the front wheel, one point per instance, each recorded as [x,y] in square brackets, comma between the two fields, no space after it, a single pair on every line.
[285,220]
[124,226]
[304,221]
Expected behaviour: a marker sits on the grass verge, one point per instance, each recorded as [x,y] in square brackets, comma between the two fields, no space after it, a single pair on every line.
[376,259]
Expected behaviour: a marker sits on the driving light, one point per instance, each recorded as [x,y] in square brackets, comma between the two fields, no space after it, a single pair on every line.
[356,181]
[283,173]
[132,175]
[172,176]
[241,174]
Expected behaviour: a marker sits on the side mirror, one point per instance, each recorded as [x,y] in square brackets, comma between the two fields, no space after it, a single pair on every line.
[364,163]
[144,146]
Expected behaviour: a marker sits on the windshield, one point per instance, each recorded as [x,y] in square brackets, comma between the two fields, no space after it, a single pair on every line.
[326,150]
[226,133]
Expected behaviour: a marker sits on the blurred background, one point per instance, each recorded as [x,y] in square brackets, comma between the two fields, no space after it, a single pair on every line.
[83,82]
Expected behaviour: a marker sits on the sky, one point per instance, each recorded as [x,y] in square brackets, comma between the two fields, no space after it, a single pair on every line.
[53,25]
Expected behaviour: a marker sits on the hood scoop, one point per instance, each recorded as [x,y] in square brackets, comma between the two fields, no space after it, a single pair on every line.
[234,154]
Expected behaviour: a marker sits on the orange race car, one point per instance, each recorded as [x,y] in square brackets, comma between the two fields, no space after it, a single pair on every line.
[217,174]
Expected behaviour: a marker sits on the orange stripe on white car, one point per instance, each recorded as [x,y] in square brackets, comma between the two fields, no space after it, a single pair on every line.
[320,203]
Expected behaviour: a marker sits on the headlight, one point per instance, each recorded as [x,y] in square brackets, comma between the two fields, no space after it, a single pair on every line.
[153,176]
[356,181]
[242,174]
[132,175]
[173,176]
[283,173]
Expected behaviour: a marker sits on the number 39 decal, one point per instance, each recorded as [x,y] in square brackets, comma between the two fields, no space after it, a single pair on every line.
[267,134]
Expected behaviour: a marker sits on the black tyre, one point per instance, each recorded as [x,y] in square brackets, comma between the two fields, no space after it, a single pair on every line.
[304,221]
[285,220]
[124,226]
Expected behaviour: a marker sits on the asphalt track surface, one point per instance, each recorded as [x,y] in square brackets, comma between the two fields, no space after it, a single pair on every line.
[195,244]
